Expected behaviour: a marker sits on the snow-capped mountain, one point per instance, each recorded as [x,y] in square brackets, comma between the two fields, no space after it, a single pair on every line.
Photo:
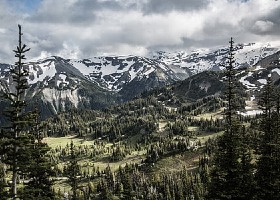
[246,55]
[113,73]
[93,83]
[61,84]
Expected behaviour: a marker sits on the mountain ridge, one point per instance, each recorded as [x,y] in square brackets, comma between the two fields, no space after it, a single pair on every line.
[61,84]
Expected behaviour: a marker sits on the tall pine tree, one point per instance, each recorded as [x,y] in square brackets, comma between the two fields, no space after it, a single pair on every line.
[73,172]
[39,169]
[227,173]
[3,183]
[22,149]
[268,163]
[15,137]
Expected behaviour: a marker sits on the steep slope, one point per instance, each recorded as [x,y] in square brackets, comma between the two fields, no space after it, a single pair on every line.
[128,75]
[56,86]
[200,85]
[255,77]
[210,84]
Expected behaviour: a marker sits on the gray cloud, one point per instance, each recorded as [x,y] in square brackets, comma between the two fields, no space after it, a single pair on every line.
[74,12]
[262,27]
[269,24]
[163,6]
[87,28]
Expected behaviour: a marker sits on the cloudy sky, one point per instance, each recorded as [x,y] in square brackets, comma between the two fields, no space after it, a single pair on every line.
[87,28]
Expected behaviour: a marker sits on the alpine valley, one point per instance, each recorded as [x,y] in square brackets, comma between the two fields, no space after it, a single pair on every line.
[155,127]
[58,84]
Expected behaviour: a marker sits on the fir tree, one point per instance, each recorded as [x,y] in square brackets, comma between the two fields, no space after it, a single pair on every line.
[73,172]
[105,192]
[127,186]
[3,183]
[226,174]
[39,168]
[15,138]
[246,170]
[268,163]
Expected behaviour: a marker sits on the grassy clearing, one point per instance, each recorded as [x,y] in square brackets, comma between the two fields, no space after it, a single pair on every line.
[193,128]
[161,125]
[173,163]
[214,115]
[177,162]
[135,157]
[103,161]
[203,138]
[86,163]
[63,141]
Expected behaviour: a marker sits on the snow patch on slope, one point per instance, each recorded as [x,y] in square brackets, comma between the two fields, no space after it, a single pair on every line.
[41,71]
[61,80]
[114,72]
[262,81]
[251,112]
[277,70]
[246,82]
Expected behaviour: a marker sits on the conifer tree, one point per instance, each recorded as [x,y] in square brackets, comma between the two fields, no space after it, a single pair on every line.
[105,192]
[226,174]
[15,136]
[268,163]
[73,172]
[127,186]
[40,168]
[3,184]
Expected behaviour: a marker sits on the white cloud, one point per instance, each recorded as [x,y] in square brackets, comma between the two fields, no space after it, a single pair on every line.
[70,51]
[3,30]
[263,26]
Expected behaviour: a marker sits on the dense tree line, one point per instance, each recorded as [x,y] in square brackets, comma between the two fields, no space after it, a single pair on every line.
[120,122]
[130,182]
